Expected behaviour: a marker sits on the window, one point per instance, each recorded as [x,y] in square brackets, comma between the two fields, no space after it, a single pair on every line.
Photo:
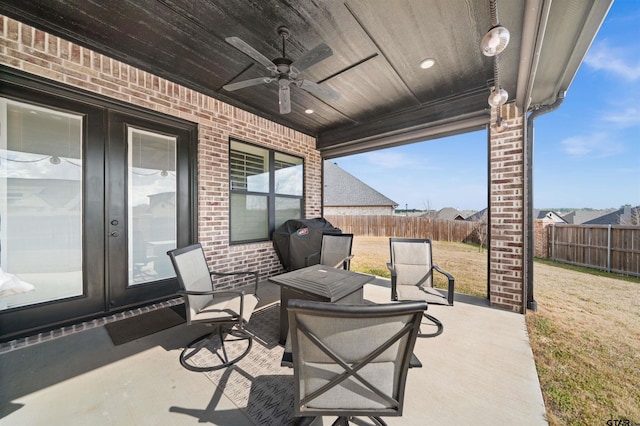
[41,162]
[266,190]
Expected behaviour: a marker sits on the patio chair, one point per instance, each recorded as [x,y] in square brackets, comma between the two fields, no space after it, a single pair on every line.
[412,269]
[225,310]
[335,251]
[351,360]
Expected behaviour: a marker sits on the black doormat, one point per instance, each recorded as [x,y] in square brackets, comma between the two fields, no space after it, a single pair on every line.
[133,328]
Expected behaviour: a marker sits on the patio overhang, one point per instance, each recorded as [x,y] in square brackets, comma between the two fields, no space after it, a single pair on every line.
[387,99]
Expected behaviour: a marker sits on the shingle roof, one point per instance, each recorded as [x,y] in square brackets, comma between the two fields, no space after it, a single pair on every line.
[480,216]
[621,216]
[449,213]
[550,214]
[343,189]
[579,217]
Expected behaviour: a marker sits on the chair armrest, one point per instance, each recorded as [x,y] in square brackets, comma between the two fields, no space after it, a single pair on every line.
[215,293]
[391,269]
[450,287]
[344,262]
[308,258]
[256,275]
[394,278]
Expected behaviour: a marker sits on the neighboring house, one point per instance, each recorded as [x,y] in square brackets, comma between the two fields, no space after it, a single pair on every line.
[625,216]
[548,216]
[479,216]
[449,213]
[578,217]
[344,194]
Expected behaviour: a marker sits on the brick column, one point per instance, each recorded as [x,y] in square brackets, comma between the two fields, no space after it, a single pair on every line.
[506,212]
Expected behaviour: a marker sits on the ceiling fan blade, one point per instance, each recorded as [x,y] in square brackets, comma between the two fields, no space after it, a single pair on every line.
[315,55]
[251,52]
[322,92]
[285,99]
[247,83]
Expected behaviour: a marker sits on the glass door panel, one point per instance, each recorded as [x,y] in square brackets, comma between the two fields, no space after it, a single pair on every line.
[41,169]
[152,214]
[146,206]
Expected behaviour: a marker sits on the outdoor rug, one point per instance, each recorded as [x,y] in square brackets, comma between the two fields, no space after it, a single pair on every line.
[257,384]
[133,328]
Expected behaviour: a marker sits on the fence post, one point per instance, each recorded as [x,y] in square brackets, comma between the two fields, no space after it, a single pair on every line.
[609,248]
[553,242]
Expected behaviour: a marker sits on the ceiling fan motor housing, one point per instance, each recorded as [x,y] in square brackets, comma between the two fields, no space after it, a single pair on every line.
[283,66]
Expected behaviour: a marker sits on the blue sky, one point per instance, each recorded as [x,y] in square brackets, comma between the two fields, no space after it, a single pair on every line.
[586,153]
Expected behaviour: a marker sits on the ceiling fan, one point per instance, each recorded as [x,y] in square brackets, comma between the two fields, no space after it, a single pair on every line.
[284,71]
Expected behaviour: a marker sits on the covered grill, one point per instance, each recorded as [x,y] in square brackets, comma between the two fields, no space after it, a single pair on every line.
[296,239]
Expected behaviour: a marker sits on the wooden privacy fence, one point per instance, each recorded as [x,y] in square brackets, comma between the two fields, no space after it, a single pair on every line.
[411,227]
[612,248]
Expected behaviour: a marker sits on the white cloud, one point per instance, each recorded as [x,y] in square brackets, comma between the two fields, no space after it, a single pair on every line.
[390,160]
[628,117]
[598,145]
[619,61]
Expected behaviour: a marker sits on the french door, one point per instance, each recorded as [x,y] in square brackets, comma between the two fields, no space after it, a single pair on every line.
[142,208]
[92,196]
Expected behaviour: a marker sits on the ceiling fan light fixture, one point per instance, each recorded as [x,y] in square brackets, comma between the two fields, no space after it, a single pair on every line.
[427,63]
[498,97]
[495,41]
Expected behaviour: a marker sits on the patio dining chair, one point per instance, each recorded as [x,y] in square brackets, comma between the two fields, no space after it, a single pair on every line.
[412,269]
[351,360]
[225,310]
[335,251]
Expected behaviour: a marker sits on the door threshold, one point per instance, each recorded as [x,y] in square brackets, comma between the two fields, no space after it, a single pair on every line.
[34,339]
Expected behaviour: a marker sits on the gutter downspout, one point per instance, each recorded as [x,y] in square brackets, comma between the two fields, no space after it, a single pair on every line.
[531,303]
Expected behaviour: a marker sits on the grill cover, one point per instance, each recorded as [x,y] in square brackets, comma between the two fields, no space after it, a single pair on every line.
[296,239]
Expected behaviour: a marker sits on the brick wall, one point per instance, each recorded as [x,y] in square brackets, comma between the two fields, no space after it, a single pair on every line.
[541,238]
[506,208]
[45,55]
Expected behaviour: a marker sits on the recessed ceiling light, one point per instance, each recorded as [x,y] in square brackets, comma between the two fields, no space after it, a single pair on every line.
[308,111]
[427,63]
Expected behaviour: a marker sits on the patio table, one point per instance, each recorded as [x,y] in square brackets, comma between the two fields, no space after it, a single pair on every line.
[319,283]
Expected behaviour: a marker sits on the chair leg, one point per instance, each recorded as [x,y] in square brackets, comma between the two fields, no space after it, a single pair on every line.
[341,421]
[438,324]
[305,421]
[200,343]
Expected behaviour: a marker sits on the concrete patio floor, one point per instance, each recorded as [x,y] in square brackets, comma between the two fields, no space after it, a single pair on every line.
[479,371]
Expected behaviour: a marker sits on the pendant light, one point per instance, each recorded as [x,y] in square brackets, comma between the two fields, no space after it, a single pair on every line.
[492,44]
[497,38]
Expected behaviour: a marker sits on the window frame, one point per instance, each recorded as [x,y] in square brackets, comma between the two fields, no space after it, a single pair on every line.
[271,194]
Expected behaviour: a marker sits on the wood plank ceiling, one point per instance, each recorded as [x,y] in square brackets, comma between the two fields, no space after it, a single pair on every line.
[377,48]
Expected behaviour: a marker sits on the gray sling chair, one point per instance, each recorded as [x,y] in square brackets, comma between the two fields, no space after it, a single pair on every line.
[335,251]
[226,310]
[351,360]
[411,270]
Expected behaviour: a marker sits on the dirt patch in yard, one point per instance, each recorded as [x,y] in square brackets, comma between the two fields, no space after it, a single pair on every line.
[585,335]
